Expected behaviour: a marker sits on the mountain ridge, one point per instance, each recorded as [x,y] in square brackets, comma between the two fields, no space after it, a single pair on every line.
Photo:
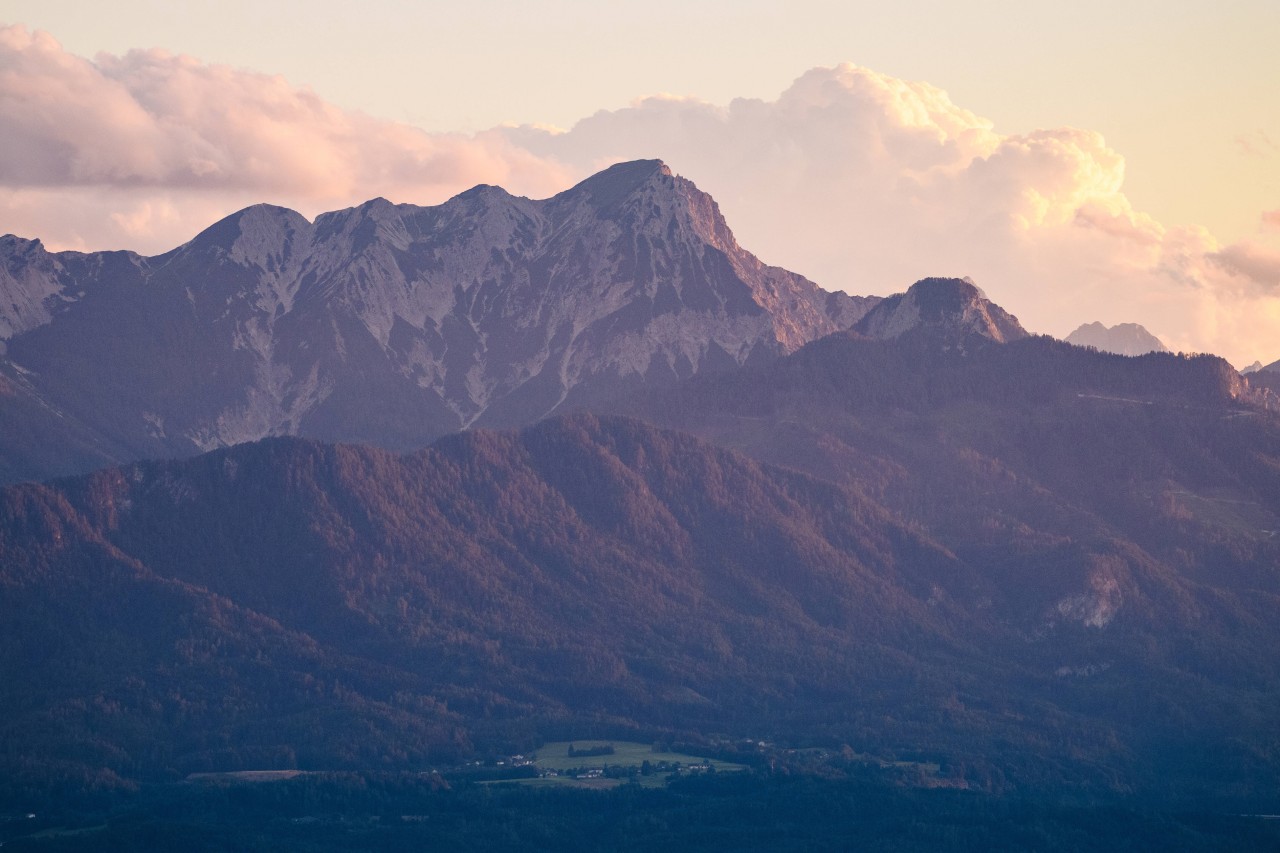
[395,324]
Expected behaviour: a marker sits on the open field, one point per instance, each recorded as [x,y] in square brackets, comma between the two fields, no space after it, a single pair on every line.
[555,756]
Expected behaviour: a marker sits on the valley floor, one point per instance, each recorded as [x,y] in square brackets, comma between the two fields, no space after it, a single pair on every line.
[748,810]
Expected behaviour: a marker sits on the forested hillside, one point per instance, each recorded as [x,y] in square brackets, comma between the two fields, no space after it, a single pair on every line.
[288,603]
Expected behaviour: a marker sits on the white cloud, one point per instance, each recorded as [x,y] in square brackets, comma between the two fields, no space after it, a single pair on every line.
[866,182]
[131,150]
[859,180]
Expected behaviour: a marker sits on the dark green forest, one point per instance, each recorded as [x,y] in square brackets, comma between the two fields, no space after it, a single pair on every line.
[743,811]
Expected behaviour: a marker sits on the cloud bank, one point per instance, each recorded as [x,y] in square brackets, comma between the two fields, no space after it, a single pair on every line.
[859,180]
[136,151]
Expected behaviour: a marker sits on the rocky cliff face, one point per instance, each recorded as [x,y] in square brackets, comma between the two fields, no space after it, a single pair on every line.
[952,307]
[393,324]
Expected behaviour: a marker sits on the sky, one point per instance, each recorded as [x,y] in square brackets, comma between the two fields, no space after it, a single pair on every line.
[1115,161]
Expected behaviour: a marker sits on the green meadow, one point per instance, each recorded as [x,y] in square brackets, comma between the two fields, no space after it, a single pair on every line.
[555,756]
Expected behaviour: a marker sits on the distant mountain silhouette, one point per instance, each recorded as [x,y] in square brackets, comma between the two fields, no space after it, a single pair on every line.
[1121,339]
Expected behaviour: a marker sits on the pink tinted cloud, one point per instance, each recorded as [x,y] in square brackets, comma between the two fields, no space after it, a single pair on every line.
[150,119]
[1256,144]
[1259,265]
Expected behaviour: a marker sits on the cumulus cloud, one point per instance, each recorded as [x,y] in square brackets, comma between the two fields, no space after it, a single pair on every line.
[866,182]
[133,147]
[859,180]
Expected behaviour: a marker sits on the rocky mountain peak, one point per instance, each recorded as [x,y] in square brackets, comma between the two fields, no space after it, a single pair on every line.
[647,192]
[256,236]
[12,246]
[379,225]
[482,195]
[268,236]
[948,305]
[666,209]
[1121,339]
[29,283]
[608,189]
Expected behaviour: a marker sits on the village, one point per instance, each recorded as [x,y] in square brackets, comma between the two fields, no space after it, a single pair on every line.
[595,764]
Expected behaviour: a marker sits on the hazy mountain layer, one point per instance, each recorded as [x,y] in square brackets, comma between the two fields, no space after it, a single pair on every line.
[1121,339]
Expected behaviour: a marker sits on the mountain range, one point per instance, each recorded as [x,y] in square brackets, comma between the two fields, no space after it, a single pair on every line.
[385,324]
[757,510]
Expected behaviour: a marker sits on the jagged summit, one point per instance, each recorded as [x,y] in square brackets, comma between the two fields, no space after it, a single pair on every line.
[615,183]
[262,237]
[1121,339]
[949,305]
[10,243]
[392,324]
[31,282]
[483,192]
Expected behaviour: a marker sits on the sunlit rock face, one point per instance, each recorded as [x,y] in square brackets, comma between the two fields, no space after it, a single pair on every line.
[1121,339]
[954,307]
[394,324]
